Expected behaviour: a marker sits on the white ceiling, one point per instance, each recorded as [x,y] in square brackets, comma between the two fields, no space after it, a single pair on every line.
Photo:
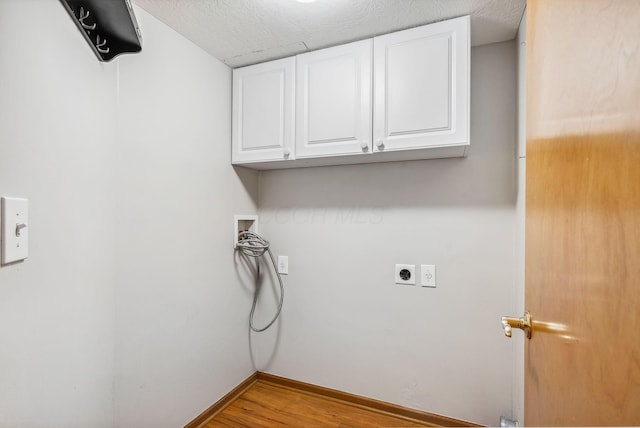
[242,32]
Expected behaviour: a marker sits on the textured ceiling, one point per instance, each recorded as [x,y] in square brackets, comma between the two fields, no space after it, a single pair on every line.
[242,32]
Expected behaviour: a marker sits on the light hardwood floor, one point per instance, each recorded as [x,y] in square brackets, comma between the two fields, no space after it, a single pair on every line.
[269,405]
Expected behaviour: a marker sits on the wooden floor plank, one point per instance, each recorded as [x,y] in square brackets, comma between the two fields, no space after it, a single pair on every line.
[266,405]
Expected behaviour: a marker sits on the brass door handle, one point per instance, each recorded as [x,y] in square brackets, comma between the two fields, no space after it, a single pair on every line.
[523,324]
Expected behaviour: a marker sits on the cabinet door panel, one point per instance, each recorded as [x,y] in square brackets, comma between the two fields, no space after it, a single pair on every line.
[263,97]
[333,101]
[421,86]
[329,81]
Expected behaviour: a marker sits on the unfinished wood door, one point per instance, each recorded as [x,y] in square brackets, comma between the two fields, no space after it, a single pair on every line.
[583,213]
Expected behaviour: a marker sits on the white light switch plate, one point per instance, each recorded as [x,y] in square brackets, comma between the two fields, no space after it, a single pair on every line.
[15,230]
[428,275]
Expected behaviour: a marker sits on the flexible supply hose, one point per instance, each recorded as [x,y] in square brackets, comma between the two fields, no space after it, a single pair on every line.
[253,245]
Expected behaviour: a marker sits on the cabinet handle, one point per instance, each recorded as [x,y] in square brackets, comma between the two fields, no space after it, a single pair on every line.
[380,144]
[287,152]
[365,146]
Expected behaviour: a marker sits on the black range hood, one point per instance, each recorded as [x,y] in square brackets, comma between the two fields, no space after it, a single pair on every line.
[109,26]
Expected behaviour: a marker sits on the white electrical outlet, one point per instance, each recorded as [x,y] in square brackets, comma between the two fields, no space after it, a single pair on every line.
[283,265]
[405,274]
[428,275]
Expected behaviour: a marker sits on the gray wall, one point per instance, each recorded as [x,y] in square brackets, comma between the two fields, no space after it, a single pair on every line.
[181,327]
[346,325]
[57,149]
[132,308]
[126,312]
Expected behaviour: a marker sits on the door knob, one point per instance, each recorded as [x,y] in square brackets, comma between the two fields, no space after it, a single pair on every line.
[523,324]
[364,145]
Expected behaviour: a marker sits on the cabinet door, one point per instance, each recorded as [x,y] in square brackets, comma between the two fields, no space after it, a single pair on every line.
[263,122]
[422,87]
[333,101]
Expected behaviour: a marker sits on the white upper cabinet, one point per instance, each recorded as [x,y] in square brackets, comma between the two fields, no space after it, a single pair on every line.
[263,112]
[333,101]
[401,96]
[421,87]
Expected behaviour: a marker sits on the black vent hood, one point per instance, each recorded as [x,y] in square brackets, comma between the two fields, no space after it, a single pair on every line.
[109,26]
